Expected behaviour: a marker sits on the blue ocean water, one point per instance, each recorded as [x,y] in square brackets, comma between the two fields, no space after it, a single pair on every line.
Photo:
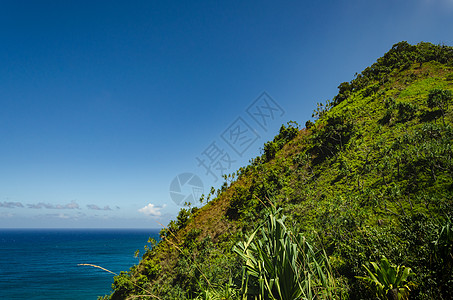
[43,263]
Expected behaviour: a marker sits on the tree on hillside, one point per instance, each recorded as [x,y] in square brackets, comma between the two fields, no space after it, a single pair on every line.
[440,99]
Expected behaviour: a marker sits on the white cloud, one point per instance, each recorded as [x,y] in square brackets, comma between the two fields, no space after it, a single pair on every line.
[63,216]
[58,216]
[6,215]
[152,210]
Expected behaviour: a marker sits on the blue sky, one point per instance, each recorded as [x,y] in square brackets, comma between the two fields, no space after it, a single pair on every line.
[104,104]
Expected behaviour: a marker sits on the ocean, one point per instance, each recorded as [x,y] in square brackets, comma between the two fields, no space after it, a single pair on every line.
[43,263]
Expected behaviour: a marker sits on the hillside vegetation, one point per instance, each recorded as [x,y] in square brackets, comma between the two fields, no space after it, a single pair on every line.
[356,205]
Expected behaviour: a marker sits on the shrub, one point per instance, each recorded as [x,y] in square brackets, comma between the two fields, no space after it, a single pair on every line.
[406,111]
[439,99]
[332,137]
[388,280]
[182,218]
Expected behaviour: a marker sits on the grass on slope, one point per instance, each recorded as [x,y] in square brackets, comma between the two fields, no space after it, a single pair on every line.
[372,177]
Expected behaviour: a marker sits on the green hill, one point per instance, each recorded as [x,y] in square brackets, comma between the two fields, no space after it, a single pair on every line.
[370,178]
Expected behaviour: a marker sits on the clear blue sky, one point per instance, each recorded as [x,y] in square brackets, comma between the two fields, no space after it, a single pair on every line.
[103,103]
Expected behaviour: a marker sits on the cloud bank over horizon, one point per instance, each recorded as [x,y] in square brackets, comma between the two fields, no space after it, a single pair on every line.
[43,205]
[95,207]
[6,204]
[40,205]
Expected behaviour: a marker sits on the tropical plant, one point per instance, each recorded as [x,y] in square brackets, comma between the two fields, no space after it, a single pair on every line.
[282,265]
[389,281]
[442,264]
[226,292]
[444,242]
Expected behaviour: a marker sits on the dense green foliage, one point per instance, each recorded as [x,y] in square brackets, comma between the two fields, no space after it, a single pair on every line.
[370,178]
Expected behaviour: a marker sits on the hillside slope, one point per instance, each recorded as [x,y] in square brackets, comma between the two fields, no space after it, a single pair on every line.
[371,177]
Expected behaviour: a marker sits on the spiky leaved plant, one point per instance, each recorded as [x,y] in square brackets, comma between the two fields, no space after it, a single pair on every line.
[388,280]
[282,265]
